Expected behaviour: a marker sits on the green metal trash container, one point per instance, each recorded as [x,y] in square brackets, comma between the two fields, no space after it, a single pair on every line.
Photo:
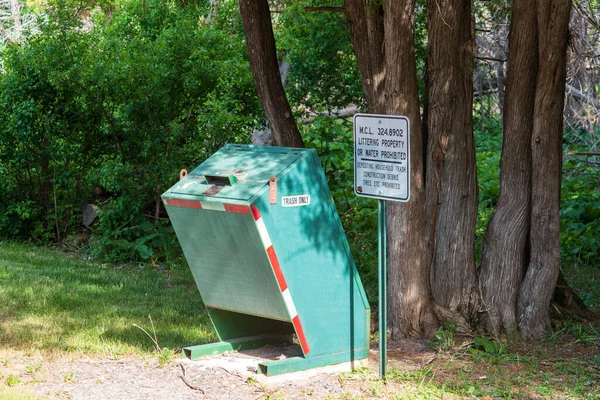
[267,250]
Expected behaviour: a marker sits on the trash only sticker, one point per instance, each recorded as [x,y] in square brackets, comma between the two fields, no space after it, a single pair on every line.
[295,201]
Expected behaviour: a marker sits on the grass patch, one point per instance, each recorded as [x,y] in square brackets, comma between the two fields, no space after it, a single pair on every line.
[7,393]
[52,301]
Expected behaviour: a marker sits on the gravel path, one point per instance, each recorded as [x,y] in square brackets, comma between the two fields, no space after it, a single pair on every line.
[227,376]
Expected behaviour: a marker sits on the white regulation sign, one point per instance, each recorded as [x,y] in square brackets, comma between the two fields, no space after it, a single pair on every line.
[382,157]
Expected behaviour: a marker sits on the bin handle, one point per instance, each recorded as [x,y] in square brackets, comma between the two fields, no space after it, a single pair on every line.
[273,190]
[182,174]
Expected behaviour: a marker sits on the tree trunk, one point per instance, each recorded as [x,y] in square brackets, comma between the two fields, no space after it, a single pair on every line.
[388,74]
[265,70]
[504,253]
[546,149]
[409,298]
[365,18]
[452,195]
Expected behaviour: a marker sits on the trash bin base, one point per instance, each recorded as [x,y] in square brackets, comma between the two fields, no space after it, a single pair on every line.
[244,343]
[295,364]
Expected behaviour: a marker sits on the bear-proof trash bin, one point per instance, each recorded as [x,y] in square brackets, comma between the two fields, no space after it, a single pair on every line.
[267,250]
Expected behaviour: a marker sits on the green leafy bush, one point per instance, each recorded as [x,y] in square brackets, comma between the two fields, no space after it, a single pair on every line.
[580,213]
[120,107]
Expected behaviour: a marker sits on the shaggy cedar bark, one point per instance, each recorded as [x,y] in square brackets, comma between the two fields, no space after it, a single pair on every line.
[365,18]
[265,70]
[537,289]
[452,195]
[383,44]
[504,255]
[409,300]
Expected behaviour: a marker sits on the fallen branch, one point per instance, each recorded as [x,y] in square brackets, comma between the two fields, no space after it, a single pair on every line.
[232,373]
[187,381]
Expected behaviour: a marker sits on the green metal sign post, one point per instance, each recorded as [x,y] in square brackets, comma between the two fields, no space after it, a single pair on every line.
[382,171]
[382,283]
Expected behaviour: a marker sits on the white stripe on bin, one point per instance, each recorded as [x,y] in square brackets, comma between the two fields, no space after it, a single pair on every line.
[262,231]
[212,205]
[287,298]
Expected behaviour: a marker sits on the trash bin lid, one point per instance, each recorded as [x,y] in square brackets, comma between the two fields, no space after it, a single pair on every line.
[236,172]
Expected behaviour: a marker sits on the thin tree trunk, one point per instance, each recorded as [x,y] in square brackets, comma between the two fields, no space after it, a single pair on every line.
[424,122]
[15,10]
[504,255]
[452,195]
[265,70]
[546,148]
[500,54]
[409,297]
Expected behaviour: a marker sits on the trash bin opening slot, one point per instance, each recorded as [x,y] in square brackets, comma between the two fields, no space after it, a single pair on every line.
[220,180]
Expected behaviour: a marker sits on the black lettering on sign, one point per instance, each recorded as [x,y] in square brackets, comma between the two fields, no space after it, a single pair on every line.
[295,201]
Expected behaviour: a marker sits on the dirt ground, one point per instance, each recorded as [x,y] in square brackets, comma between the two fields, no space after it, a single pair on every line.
[228,376]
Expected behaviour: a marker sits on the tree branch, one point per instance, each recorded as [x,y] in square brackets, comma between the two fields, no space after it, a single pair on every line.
[584,153]
[582,96]
[490,59]
[326,9]
[343,113]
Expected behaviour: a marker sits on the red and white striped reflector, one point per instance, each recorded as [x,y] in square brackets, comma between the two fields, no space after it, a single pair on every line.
[285,291]
[208,205]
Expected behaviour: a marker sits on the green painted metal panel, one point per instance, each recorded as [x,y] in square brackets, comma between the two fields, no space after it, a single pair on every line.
[294,364]
[228,261]
[231,325]
[318,267]
[306,281]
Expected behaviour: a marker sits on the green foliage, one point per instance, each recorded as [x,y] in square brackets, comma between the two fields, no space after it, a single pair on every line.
[444,338]
[42,119]
[486,344]
[488,144]
[317,45]
[12,380]
[324,73]
[580,213]
[491,350]
[149,90]
[165,357]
